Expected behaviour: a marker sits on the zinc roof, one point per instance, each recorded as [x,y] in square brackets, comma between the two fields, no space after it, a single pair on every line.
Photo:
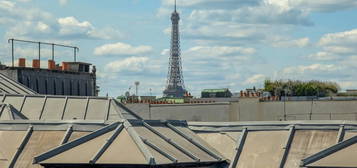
[10,86]
[265,144]
[21,141]
[149,143]
[46,107]
[342,154]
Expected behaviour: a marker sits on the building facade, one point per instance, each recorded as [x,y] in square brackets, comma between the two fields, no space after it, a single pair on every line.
[76,79]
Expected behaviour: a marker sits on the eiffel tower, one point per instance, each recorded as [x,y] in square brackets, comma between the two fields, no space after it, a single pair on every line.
[175,85]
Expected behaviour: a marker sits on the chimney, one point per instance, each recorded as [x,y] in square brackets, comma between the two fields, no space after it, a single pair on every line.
[65,66]
[22,62]
[51,65]
[35,63]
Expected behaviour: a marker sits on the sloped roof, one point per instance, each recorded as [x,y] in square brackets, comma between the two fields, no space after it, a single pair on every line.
[149,143]
[342,154]
[42,107]
[22,140]
[8,112]
[10,86]
[271,144]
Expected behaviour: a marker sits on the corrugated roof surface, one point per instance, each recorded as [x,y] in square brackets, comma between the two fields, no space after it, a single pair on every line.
[41,107]
[9,86]
[149,143]
[279,144]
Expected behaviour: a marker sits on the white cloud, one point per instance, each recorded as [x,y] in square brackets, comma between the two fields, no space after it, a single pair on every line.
[218,51]
[63,2]
[71,26]
[340,38]
[7,5]
[165,52]
[322,56]
[302,42]
[43,27]
[255,79]
[122,49]
[335,46]
[131,64]
[309,68]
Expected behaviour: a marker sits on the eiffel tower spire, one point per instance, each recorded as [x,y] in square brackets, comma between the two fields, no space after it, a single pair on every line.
[175,85]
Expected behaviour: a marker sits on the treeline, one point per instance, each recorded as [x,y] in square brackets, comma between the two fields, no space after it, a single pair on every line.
[301,88]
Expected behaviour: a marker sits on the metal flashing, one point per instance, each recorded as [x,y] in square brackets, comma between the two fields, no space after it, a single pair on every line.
[147,154]
[106,116]
[147,142]
[21,147]
[287,146]
[43,108]
[193,141]
[341,134]
[22,104]
[74,143]
[171,142]
[328,151]
[67,134]
[239,149]
[86,110]
[107,144]
[64,108]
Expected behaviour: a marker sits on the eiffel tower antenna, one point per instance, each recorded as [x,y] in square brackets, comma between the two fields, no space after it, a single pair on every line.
[175,5]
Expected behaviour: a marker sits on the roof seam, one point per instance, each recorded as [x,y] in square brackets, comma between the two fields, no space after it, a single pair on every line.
[190,139]
[107,144]
[239,149]
[328,151]
[74,143]
[171,142]
[147,142]
[21,147]
[147,154]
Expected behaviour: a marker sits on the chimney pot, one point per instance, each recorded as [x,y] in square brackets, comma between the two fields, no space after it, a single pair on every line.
[22,62]
[36,63]
[51,65]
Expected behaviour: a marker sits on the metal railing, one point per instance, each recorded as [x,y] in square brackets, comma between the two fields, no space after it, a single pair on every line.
[75,49]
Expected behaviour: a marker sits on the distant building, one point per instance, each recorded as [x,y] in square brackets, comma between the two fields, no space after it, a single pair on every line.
[72,78]
[213,93]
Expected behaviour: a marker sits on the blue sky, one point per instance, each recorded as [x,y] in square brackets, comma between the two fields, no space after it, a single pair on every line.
[234,44]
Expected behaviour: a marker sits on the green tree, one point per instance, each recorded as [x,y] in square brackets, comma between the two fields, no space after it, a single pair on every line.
[301,88]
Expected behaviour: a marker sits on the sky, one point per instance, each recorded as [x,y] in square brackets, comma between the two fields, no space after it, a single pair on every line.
[233,44]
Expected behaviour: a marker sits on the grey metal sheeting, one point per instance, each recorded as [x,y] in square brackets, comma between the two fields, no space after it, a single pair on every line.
[9,86]
[149,142]
[340,155]
[41,107]
[280,144]
[21,141]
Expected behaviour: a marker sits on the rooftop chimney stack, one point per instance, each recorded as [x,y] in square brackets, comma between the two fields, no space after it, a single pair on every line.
[35,63]
[22,62]
[51,65]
